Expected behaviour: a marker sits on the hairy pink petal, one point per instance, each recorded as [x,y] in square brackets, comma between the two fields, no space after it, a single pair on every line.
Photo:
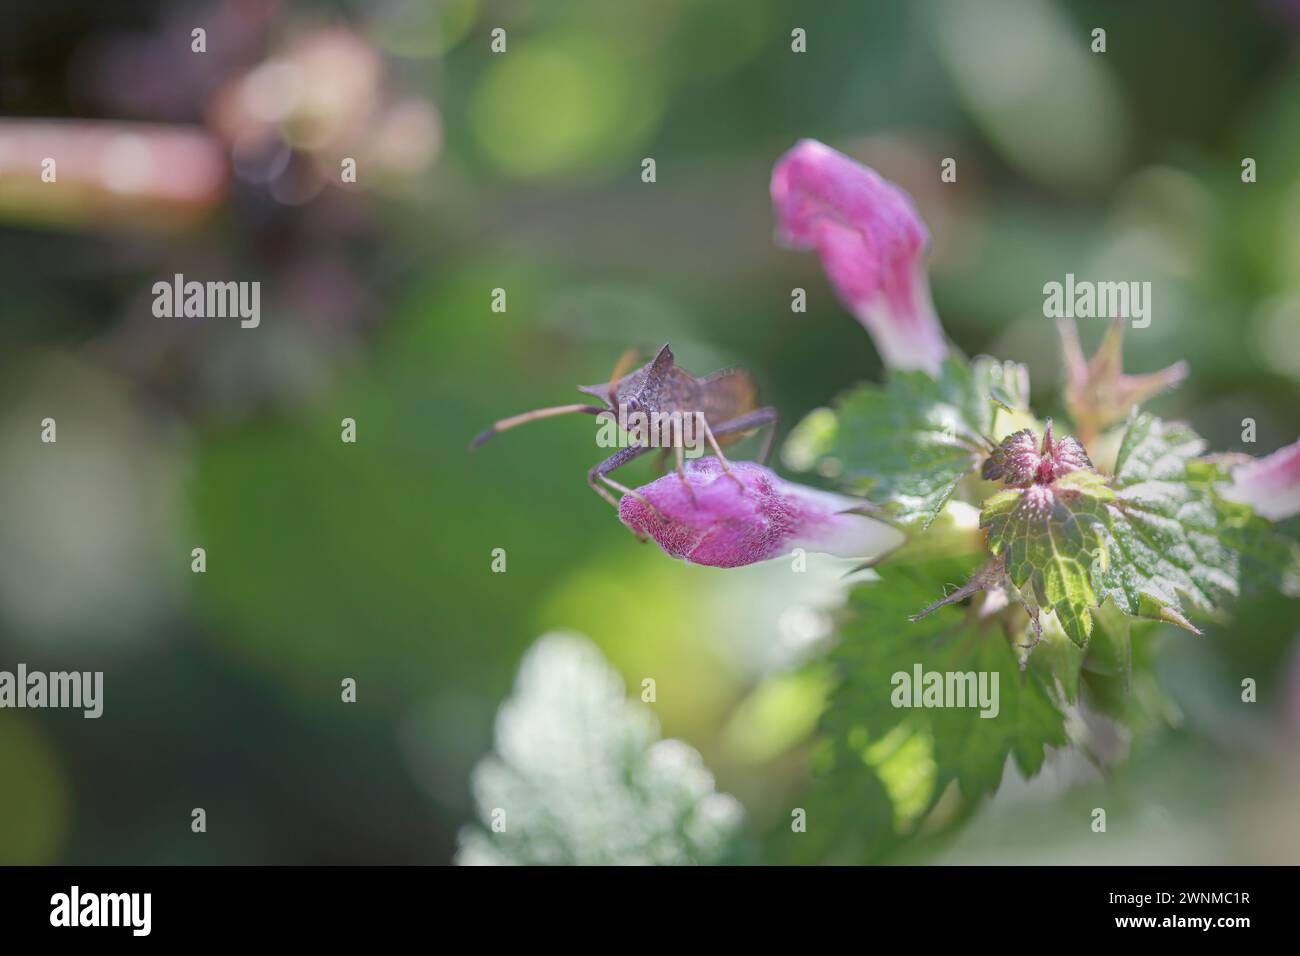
[1020,460]
[1070,456]
[872,245]
[1015,461]
[1270,485]
[717,523]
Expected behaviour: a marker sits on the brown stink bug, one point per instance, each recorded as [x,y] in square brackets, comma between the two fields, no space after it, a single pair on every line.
[724,405]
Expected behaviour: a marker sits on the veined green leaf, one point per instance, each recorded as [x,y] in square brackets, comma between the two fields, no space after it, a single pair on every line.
[1175,544]
[1156,539]
[907,444]
[1053,537]
[579,775]
[913,753]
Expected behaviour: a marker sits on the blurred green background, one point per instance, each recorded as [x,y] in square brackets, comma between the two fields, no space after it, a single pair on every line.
[521,171]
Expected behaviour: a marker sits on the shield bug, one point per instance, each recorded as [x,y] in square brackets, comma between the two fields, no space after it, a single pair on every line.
[723,407]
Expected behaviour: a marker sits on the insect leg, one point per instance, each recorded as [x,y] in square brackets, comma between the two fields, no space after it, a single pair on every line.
[618,460]
[751,421]
[713,443]
[747,422]
[756,419]
[681,470]
[743,423]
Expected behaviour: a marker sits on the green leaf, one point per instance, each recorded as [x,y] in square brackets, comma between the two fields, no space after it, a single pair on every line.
[1110,654]
[1176,545]
[1059,659]
[580,776]
[1005,383]
[1108,665]
[1156,539]
[1118,678]
[914,753]
[1051,537]
[908,443]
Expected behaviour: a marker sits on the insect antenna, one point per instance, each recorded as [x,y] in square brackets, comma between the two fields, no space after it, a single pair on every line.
[621,368]
[535,414]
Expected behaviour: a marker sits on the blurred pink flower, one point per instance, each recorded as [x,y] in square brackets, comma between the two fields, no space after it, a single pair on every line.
[715,522]
[1270,485]
[872,245]
[110,175]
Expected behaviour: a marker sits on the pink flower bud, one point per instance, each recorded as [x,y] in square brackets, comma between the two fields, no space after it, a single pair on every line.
[1015,461]
[872,245]
[1019,460]
[1098,392]
[711,519]
[1270,485]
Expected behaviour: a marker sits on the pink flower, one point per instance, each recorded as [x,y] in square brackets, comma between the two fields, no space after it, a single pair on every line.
[872,245]
[1270,485]
[710,519]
